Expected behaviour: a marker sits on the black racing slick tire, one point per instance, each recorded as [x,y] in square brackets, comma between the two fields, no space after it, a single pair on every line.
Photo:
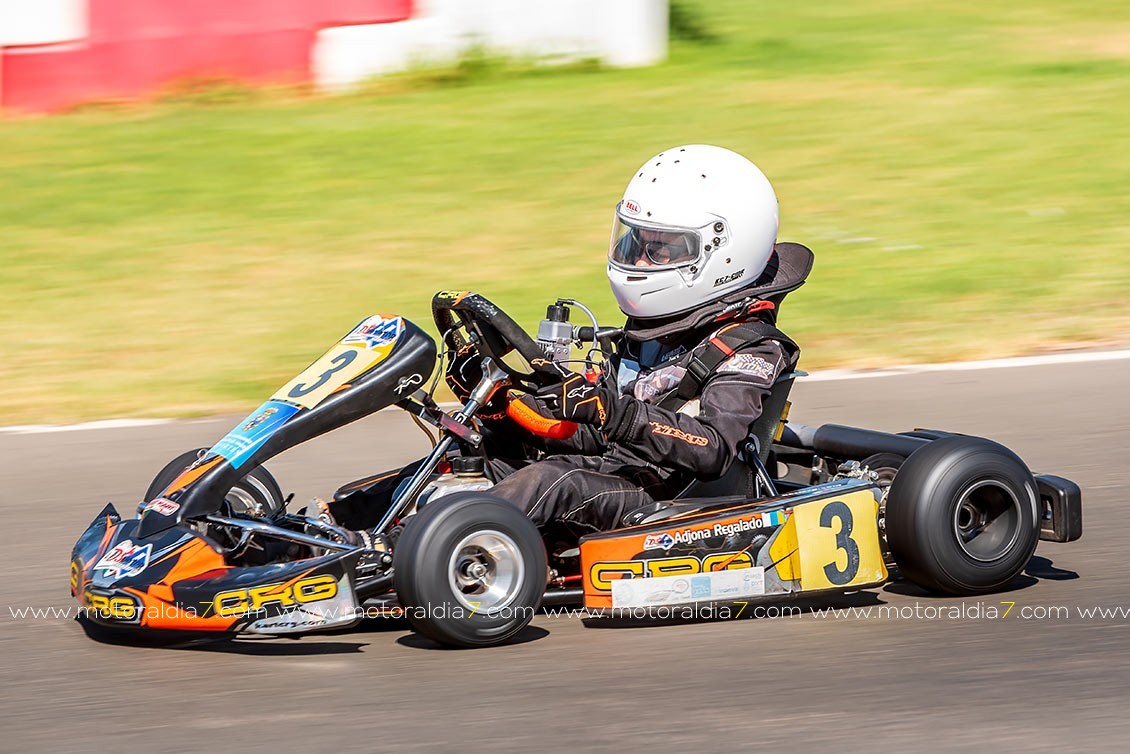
[469,570]
[256,489]
[961,516]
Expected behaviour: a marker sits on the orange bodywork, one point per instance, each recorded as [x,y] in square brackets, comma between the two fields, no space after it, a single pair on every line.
[188,476]
[193,559]
[636,553]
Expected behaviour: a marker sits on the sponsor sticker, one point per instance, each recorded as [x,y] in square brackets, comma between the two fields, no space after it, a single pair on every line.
[668,539]
[376,331]
[259,418]
[679,590]
[659,382]
[164,506]
[658,541]
[747,363]
[125,559]
[241,443]
[631,207]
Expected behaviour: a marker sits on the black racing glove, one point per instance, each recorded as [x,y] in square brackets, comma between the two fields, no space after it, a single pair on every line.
[578,400]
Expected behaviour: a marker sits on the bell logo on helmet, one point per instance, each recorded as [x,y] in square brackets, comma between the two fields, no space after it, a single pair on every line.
[631,207]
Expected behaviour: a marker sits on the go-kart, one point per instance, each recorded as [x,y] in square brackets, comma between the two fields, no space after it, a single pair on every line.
[805,510]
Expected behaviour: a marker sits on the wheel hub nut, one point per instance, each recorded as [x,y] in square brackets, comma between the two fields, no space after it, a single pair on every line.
[477,570]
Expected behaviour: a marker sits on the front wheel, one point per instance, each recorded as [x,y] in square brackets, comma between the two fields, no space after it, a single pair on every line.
[470,570]
[961,516]
[256,493]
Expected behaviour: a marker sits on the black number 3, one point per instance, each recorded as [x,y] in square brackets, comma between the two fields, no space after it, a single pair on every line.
[341,361]
[843,542]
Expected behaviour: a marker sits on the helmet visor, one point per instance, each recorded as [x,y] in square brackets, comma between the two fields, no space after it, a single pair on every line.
[643,246]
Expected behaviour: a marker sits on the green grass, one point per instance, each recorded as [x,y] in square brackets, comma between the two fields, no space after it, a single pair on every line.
[960,169]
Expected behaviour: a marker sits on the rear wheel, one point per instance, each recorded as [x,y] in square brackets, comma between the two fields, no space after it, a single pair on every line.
[256,493]
[961,516]
[885,466]
[470,570]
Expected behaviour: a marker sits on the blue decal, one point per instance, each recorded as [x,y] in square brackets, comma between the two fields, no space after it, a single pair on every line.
[700,587]
[239,444]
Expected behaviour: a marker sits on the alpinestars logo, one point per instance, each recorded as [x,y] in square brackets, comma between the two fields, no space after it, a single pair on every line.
[669,431]
[580,391]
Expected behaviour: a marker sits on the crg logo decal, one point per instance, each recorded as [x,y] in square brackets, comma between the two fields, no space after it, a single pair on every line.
[113,606]
[242,602]
[601,575]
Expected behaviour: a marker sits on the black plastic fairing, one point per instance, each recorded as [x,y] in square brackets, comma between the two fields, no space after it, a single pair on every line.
[406,367]
[1061,509]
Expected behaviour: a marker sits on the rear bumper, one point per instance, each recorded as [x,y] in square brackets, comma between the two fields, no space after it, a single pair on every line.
[1061,509]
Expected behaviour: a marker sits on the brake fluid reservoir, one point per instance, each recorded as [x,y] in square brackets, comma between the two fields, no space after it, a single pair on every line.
[555,334]
[466,476]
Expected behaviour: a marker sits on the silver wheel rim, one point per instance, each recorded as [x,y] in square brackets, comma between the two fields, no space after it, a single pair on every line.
[485,571]
[986,521]
[246,500]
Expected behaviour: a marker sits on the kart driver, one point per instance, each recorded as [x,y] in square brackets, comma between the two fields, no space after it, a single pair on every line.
[694,264]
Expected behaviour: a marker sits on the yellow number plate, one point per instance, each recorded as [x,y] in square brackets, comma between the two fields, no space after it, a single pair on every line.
[839,542]
[369,343]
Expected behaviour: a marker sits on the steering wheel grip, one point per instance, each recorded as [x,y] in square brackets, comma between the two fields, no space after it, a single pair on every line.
[498,334]
[543,426]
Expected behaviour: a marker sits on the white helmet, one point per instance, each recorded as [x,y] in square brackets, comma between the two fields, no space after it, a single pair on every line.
[695,223]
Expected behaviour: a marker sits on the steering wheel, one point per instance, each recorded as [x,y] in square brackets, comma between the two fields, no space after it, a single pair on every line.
[496,335]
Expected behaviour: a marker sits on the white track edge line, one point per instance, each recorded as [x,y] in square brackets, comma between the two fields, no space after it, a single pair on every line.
[1077,357]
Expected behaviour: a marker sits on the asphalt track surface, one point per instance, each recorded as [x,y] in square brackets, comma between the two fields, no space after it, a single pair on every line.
[798,683]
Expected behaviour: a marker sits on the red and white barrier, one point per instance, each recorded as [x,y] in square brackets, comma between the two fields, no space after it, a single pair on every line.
[129,48]
[58,53]
[41,21]
[620,33]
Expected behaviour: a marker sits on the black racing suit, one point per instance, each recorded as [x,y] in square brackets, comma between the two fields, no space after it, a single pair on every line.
[666,437]
[664,441]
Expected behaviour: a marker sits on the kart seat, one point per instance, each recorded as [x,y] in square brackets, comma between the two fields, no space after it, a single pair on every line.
[738,484]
